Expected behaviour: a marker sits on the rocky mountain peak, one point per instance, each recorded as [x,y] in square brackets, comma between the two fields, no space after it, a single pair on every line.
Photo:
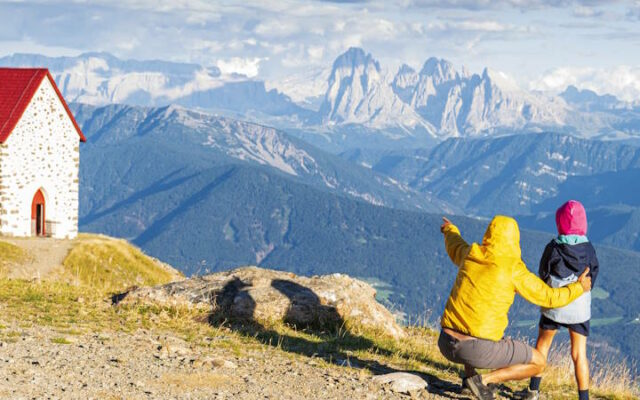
[405,70]
[440,69]
[359,94]
[589,100]
[354,58]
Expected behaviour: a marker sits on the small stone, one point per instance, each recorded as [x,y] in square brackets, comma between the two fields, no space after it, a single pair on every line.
[213,362]
[179,350]
[401,382]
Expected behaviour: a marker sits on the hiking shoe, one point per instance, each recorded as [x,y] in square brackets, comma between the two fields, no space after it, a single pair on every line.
[528,394]
[479,389]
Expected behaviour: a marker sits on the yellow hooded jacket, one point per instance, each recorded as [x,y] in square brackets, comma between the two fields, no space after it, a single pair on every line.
[489,276]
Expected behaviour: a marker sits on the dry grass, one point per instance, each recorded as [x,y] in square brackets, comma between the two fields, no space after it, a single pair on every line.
[610,378]
[112,265]
[11,255]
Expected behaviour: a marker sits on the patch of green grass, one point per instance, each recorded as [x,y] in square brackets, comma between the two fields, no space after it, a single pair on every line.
[229,232]
[599,293]
[60,340]
[383,289]
[525,323]
[605,321]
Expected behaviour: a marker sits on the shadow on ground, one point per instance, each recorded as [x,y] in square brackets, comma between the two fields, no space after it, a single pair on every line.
[335,344]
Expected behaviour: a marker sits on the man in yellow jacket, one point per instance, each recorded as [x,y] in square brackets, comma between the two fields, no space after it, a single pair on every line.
[475,317]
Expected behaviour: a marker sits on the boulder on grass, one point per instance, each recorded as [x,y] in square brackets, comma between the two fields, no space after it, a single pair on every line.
[253,293]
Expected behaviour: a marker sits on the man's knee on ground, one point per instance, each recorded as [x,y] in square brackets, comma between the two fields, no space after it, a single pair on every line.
[539,360]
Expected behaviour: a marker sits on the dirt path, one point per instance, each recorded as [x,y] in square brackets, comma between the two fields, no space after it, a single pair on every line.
[46,254]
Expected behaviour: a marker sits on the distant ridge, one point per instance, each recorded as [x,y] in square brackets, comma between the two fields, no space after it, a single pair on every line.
[362,99]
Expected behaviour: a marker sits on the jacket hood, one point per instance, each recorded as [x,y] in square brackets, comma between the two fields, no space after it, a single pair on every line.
[502,237]
[571,219]
[575,258]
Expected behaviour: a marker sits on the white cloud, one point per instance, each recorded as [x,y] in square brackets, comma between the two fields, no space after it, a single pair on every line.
[471,25]
[30,46]
[339,26]
[129,44]
[249,67]
[277,28]
[342,43]
[206,45]
[385,28]
[493,4]
[634,12]
[587,12]
[486,26]
[622,81]
[315,52]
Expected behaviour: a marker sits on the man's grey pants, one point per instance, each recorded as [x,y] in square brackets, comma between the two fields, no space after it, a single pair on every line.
[481,353]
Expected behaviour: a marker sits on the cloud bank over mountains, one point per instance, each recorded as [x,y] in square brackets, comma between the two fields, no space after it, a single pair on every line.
[622,81]
[357,101]
[275,40]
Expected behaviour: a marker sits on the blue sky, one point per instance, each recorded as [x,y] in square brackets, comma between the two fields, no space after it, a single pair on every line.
[544,44]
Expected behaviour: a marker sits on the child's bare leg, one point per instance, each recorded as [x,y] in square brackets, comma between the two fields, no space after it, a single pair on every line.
[545,339]
[580,361]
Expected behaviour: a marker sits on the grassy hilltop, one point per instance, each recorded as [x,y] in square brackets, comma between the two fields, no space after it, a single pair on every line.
[71,309]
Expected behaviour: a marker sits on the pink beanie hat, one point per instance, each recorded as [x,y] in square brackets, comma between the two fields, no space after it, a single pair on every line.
[571,219]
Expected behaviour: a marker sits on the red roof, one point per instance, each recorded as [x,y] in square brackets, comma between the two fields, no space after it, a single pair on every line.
[17,88]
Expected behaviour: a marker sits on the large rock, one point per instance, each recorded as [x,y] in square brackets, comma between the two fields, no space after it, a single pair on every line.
[261,294]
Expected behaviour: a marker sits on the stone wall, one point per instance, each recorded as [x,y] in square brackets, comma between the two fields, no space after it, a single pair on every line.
[42,152]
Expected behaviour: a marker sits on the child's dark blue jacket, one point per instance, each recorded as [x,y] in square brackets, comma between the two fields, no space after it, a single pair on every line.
[562,262]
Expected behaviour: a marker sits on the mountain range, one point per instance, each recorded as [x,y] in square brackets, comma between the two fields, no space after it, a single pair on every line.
[363,106]
[208,193]
[193,139]
[513,174]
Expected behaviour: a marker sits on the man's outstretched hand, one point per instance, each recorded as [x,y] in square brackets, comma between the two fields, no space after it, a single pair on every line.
[585,280]
[445,223]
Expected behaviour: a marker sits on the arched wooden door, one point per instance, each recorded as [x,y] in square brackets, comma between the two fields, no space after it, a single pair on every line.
[38,214]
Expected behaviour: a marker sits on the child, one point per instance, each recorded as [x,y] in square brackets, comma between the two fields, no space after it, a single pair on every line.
[563,260]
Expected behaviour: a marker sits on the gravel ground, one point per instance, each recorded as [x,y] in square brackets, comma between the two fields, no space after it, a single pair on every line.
[40,363]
